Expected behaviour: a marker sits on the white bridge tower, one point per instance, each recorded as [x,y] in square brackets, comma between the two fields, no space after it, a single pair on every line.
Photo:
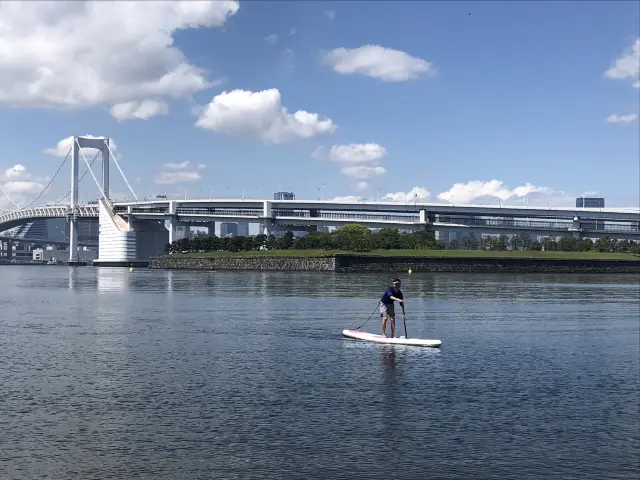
[97,143]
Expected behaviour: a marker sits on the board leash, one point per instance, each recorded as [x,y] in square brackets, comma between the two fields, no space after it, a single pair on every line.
[374,311]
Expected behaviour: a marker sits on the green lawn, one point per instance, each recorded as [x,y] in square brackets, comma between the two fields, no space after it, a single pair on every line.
[426,253]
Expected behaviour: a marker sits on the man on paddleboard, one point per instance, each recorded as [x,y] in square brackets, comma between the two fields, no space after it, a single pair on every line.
[393,294]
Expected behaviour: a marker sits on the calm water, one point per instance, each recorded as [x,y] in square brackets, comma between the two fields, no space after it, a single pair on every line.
[241,375]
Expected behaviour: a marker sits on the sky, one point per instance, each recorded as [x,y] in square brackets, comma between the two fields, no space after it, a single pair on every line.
[457,102]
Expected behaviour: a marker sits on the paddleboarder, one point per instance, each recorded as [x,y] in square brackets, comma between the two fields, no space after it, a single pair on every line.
[387,310]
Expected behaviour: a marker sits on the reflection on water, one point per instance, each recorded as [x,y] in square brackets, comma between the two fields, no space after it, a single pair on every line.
[236,375]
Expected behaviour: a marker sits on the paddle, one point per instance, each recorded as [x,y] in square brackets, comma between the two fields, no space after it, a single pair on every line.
[404,321]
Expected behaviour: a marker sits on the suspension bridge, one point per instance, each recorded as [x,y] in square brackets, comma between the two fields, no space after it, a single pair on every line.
[134,231]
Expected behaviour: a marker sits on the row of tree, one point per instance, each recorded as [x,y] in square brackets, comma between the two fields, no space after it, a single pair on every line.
[358,238]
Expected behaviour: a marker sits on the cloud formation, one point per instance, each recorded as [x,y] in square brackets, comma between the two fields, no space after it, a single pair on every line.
[19,186]
[627,65]
[421,194]
[375,61]
[75,54]
[358,153]
[622,118]
[174,172]
[260,115]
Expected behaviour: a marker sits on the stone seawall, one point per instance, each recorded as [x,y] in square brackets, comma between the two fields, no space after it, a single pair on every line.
[370,263]
[275,263]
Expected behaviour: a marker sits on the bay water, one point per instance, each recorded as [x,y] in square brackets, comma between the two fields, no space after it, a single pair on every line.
[107,373]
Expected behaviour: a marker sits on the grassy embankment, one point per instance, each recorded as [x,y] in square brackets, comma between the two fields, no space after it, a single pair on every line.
[426,254]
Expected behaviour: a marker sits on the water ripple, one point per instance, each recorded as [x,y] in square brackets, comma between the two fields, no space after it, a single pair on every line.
[242,375]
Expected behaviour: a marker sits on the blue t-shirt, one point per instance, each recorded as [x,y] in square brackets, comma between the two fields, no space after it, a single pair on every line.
[386,298]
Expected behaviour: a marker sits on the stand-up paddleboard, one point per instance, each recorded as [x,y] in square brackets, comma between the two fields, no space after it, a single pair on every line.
[372,337]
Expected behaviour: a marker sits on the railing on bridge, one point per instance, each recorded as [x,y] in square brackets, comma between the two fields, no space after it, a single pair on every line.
[409,218]
[219,211]
[538,224]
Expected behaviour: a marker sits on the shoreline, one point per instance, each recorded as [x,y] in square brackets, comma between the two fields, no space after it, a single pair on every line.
[363,263]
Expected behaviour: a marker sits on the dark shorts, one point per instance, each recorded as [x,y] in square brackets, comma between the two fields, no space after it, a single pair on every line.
[387,309]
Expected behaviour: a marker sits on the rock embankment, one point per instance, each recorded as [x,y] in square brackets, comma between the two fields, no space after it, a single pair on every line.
[370,263]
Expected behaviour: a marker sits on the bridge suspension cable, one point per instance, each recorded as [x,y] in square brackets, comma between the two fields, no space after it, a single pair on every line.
[121,172]
[79,180]
[18,208]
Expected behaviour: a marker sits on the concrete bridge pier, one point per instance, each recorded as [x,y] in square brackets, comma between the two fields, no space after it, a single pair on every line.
[427,219]
[576,228]
[267,224]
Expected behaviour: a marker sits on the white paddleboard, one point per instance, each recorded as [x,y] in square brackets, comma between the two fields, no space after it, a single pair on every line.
[372,337]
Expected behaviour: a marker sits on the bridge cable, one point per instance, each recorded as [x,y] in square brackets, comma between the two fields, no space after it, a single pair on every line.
[79,180]
[121,172]
[18,208]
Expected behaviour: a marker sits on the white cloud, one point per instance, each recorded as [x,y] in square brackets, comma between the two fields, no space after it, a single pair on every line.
[176,166]
[358,153]
[331,14]
[62,148]
[201,166]
[271,39]
[20,186]
[379,62]
[168,178]
[347,198]
[362,186]
[627,65]
[493,191]
[419,193]
[72,54]
[139,110]
[172,172]
[260,115]
[15,172]
[615,118]
[363,171]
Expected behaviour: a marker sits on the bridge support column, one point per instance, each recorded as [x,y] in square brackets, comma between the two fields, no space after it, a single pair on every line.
[267,223]
[576,228]
[178,230]
[73,219]
[426,219]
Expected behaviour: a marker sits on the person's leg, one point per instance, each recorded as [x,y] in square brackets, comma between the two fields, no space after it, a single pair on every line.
[392,316]
[383,314]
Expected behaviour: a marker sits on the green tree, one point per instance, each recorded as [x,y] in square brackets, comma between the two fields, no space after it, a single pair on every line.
[516,242]
[247,244]
[259,241]
[353,237]
[526,241]
[286,242]
[387,238]
[272,242]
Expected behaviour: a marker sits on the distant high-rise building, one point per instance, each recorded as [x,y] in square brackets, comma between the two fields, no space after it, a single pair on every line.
[589,202]
[228,229]
[284,196]
[242,229]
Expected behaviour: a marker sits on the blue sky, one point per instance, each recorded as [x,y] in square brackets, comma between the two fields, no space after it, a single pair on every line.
[502,98]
